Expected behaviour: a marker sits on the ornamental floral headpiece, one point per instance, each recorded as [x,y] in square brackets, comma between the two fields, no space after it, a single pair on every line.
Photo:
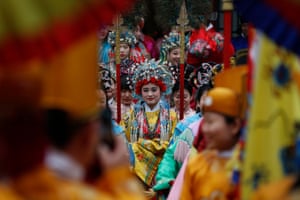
[152,72]
[203,43]
[170,42]
[126,37]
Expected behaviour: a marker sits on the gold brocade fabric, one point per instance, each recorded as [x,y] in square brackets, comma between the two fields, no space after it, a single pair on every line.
[7,194]
[147,155]
[206,177]
[120,183]
[152,118]
[41,184]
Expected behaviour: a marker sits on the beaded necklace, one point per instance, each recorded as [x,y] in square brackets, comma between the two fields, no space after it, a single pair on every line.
[148,133]
[140,125]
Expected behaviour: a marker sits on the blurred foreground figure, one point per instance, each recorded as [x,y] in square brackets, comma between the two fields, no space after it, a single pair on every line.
[23,142]
[54,51]
[208,175]
[15,120]
[271,167]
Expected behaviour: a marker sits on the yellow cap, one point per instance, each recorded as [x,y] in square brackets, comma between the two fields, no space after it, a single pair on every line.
[20,89]
[222,100]
[20,86]
[70,81]
[236,79]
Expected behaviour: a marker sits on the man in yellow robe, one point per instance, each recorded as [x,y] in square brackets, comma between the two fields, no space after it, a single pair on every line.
[23,142]
[208,175]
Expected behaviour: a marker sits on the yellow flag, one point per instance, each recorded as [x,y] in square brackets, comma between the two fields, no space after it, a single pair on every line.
[274,112]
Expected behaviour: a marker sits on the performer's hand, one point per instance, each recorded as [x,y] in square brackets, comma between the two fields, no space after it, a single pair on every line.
[116,157]
[150,193]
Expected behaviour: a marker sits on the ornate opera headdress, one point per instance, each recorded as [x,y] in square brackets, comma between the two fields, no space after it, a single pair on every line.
[203,43]
[170,42]
[125,36]
[152,72]
[106,77]
[126,83]
[204,74]
[127,68]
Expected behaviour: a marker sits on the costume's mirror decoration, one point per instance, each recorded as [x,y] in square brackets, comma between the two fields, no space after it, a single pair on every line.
[152,71]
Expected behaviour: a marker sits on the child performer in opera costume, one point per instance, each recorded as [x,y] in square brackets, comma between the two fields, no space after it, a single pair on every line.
[149,126]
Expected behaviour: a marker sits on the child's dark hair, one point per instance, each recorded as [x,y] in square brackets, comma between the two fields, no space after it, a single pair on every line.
[101,85]
[201,90]
[126,83]
[61,128]
[187,86]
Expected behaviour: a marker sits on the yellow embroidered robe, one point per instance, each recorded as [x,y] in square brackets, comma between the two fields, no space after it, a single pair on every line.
[147,153]
[206,177]
[41,184]
[121,184]
[6,193]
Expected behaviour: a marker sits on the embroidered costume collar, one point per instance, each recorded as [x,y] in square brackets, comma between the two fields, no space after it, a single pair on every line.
[148,109]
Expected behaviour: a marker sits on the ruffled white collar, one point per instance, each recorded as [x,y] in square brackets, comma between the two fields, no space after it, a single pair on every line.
[155,108]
